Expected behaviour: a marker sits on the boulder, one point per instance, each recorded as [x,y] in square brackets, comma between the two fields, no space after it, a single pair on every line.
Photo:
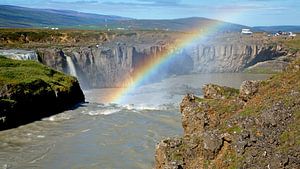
[248,89]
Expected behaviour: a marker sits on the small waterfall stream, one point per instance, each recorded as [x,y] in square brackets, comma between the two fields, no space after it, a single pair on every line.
[19,54]
[71,66]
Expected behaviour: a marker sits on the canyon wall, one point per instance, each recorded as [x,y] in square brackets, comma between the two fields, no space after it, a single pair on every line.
[98,67]
[112,65]
[114,60]
[231,57]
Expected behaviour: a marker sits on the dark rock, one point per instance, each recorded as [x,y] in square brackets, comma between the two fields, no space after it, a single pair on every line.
[212,144]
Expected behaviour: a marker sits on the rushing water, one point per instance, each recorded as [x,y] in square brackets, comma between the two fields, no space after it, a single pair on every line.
[71,66]
[107,136]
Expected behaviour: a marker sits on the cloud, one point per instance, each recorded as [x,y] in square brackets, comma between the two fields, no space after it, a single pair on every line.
[86,2]
[148,3]
[170,2]
[73,2]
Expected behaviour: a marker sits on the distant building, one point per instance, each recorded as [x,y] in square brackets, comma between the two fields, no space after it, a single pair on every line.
[246,32]
[291,34]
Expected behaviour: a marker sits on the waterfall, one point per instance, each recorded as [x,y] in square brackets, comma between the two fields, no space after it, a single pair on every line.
[19,54]
[71,66]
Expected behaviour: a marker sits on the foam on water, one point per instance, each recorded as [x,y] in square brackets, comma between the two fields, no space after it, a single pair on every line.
[140,107]
[59,117]
[103,112]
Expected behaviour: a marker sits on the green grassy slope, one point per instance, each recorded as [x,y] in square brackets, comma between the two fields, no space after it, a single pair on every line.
[30,91]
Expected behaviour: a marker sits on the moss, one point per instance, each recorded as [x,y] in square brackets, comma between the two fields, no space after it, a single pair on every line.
[292,44]
[206,164]
[249,111]
[230,92]
[26,72]
[261,71]
[233,160]
[235,129]
[31,91]
[291,137]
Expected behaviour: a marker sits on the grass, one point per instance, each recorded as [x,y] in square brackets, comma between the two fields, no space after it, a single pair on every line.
[291,137]
[45,38]
[293,44]
[261,71]
[15,72]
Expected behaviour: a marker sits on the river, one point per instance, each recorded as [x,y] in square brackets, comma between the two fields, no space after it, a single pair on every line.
[108,136]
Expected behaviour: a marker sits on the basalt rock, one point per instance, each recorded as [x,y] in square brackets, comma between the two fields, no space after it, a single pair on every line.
[113,63]
[257,128]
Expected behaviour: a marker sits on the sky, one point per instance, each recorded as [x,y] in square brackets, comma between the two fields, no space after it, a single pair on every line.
[246,12]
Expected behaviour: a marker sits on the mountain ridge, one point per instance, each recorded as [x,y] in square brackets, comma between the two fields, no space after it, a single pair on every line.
[23,17]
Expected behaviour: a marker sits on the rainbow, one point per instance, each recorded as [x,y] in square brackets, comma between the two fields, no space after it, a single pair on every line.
[147,69]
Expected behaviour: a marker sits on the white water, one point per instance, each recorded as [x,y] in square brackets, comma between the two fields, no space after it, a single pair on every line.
[71,66]
[19,54]
[107,136]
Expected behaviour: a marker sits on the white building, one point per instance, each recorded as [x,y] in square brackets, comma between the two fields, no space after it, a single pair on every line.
[246,32]
[291,34]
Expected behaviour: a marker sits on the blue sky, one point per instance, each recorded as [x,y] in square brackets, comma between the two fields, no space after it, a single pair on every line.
[247,12]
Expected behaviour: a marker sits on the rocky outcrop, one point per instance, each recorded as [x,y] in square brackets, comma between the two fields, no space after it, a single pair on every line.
[212,91]
[248,89]
[30,91]
[258,127]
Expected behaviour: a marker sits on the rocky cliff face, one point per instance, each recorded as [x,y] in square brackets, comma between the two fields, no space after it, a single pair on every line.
[108,64]
[233,53]
[255,127]
[111,66]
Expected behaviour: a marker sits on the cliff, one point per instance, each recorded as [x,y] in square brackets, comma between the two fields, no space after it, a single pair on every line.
[108,64]
[232,56]
[254,127]
[104,59]
[30,91]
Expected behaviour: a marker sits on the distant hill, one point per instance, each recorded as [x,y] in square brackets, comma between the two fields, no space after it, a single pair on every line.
[21,17]
[181,24]
[14,16]
[274,29]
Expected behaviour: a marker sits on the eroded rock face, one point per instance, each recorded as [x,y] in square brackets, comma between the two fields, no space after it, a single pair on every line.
[113,63]
[252,129]
[231,56]
[114,66]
